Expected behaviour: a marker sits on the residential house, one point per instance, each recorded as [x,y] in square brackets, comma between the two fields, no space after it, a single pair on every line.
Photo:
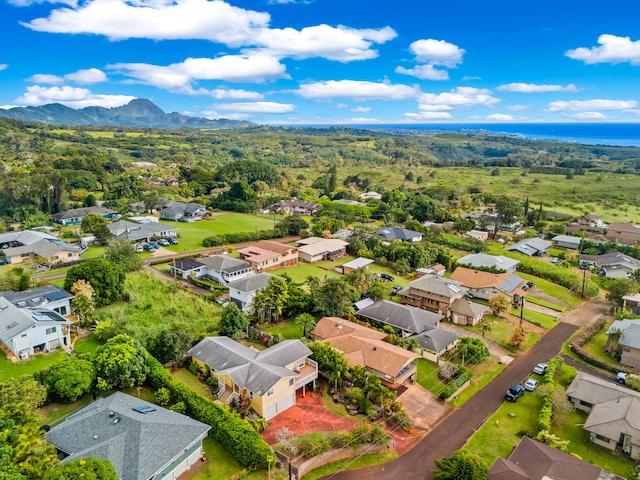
[26,331]
[243,291]
[179,211]
[399,233]
[138,207]
[315,249]
[224,269]
[48,250]
[359,262]
[611,265]
[485,285]
[124,230]
[582,229]
[593,220]
[270,378]
[49,297]
[628,343]
[187,268]
[141,440]
[533,460]
[532,247]
[267,255]
[477,235]
[295,206]
[76,215]
[410,322]
[567,241]
[623,232]
[616,424]
[465,312]
[433,293]
[632,303]
[366,347]
[370,196]
[433,269]
[586,391]
[342,234]
[484,260]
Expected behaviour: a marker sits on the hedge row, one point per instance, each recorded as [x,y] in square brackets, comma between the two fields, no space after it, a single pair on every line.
[464,375]
[233,433]
[583,337]
[546,412]
[227,238]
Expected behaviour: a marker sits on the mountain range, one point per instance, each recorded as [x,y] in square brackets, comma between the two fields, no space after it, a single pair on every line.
[138,113]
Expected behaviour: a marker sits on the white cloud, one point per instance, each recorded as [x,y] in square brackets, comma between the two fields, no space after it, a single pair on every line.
[356,89]
[3,66]
[437,52]
[231,94]
[88,76]
[500,117]
[460,97]
[517,108]
[589,116]
[179,77]
[46,78]
[590,105]
[427,116]
[536,88]
[27,3]
[612,49]
[424,72]
[257,107]
[216,21]
[71,97]
[361,109]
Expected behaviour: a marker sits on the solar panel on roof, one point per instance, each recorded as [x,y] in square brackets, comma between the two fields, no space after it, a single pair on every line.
[143,409]
[453,288]
[11,325]
[57,295]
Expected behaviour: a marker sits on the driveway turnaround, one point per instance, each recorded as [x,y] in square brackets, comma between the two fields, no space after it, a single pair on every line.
[457,428]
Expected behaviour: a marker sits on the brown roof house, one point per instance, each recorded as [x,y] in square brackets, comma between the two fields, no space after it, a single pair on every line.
[266,255]
[295,206]
[366,347]
[623,232]
[485,285]
[532,460]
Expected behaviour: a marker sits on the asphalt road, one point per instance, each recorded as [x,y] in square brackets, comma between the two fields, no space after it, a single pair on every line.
[453,432]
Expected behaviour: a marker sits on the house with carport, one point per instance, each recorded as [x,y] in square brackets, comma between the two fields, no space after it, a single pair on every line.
[269,378]
[142,440]
[366,347]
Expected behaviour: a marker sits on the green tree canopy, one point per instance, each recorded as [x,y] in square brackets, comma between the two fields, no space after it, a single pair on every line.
[120,363]
[121,253]
[293,224]
[460,466]
[106,278]
[69,378]
[90,468]
[233,323]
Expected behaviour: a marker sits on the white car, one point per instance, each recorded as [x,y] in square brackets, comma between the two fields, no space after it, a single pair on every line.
[540,368]
[531,384]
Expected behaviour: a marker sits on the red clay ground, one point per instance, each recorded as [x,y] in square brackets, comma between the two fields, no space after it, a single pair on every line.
[309,414]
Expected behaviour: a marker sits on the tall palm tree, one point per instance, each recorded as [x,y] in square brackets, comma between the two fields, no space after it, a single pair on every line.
[305,322]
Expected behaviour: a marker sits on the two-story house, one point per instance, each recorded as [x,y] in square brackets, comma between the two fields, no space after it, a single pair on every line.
[485,285]
[267,255]
[224,269]
[433,293]
[243,291]
[270,378]
[76,215]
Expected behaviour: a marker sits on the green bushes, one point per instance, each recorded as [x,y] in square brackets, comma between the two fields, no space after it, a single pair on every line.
[546,412]
[217,240]
[583,337]
[234,434]
[464,375]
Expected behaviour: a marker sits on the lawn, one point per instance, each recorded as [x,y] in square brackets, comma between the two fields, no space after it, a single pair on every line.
[503,430]
[287,329]
[595,346]
[190,380]
[191,234]
[559,292]
[501,331]
[545,321]
[303,270]
[427,376]
[87,345]
[544,303]
[360,461]
[28,367]
[483,374]
[54,412]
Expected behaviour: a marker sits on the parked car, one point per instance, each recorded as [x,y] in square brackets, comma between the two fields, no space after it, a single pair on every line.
[531,384]
[540,368]
[164,242]
[514,392]
[395,289]
[154,245]
[173,240]
[387,277]
[138,248]
[623,377]
[149,248]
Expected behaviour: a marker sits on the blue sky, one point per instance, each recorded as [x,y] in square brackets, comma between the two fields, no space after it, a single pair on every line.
[329,61]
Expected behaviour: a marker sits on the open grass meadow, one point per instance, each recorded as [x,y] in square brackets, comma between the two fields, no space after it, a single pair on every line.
[156,304]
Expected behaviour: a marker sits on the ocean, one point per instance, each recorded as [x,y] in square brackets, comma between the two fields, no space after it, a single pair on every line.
[615,134]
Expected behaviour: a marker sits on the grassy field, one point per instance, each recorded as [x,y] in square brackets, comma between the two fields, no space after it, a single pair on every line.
[546,321]
[595,346]
[482,376]
[191,234]
[287,329]
[190,380]
[303,270]
[558,292]
[545,303]
[349,464]
[28,367]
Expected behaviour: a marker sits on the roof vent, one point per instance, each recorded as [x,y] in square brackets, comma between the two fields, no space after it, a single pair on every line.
[117,419]
[112,414]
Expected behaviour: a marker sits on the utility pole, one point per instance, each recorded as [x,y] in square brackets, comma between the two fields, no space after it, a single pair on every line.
[521,309]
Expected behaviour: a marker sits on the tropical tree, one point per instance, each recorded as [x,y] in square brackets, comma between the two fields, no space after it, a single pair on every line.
[460,466]
[619,288]
[89,468]
[106,278]
[518,337]
[485,327]
[121,253]
[120,363]
[293,224]
[331,299]
[82,303]
[499,303]
[269,303]
[305,322]
[69,378]
[170,346]
[472,350]
[233,323]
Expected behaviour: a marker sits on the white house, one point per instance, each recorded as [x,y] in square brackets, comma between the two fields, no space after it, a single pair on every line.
[242,292]
[49,297]
[28,331]
[224,269]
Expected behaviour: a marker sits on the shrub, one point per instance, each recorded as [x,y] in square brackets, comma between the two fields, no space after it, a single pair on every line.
[463,376]
[310,447]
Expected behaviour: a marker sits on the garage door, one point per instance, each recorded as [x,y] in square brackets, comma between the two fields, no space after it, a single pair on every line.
[286,402]
[271,411]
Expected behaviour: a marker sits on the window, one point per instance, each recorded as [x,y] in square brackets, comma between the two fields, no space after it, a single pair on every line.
[291,382]
[586,404]
[51,330]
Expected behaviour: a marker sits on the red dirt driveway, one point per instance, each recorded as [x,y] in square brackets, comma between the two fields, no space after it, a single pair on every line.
[308,415]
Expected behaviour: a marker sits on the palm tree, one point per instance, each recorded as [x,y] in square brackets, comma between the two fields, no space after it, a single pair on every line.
[485,327]
[305,322]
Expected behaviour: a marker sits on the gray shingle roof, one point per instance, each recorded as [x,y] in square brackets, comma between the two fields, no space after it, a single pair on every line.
[36,297]
[139,445]
[13,320]
[436,339]
[45,248]
[251,283]
[187,264]
[486,260]
[530,246]
[398,233]
[82,212]
[26,237]
[438,285]
[225,263]
[258,371]
[125,230]
[595,390]
[470,309]
[615,417]
[409,319]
